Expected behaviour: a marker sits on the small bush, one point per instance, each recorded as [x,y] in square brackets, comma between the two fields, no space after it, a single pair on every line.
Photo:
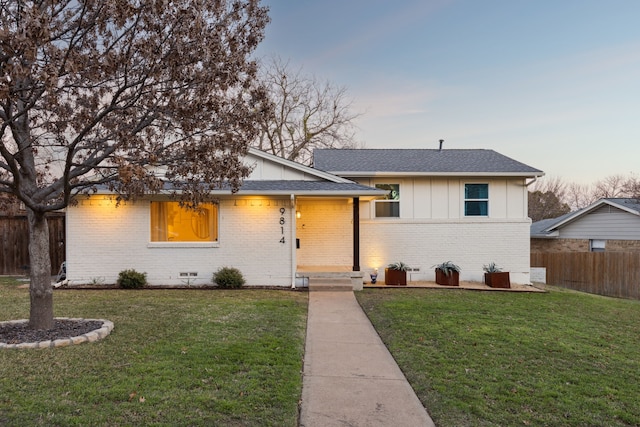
[131,279]
[228,277]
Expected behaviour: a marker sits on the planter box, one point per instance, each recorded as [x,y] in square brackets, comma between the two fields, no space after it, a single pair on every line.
[453,279]
[395,277]
[497,280]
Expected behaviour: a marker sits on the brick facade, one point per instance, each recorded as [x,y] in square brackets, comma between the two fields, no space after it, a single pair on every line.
[469,244]
[250,238]
[581,245]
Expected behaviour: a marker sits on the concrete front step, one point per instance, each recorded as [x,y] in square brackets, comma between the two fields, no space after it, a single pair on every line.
[332,280]
[322,284]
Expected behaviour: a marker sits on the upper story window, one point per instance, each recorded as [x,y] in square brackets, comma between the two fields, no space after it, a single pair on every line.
[476,199]
[389,207]
[172,223]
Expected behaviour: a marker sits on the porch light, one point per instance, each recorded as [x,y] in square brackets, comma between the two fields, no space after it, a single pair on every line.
[374,276]
[298,215]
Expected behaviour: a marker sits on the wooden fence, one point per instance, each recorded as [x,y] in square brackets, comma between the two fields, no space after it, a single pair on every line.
[14,244]
[614,274]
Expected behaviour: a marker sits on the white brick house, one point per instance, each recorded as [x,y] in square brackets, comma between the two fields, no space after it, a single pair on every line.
[286,218]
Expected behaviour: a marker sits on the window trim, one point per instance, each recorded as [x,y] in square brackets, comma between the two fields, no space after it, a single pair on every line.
[465,200]
[396,201]
[185,243]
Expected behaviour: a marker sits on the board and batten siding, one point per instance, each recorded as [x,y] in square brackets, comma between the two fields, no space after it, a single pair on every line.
[604,223]
[262,169]
[440,198]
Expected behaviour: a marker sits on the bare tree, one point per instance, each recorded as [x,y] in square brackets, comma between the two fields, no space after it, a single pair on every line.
[632,187]
[580,196]
[610,187]
[546,199]
[109,92]
[576,196]
[307,114]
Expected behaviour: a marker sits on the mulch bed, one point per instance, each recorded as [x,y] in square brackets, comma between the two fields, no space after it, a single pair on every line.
[17,333]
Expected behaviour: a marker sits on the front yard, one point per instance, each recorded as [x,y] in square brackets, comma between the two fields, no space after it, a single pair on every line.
[175,357]
[213,357]
[507,359]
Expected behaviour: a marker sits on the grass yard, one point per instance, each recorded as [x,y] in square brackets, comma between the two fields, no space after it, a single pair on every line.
[175,358]
[508,359]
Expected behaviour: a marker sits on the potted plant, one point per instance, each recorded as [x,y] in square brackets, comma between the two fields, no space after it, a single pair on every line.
[447,274]
[396,274]
[494,277]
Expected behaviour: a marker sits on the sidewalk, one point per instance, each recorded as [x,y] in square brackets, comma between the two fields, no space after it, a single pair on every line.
[350,378]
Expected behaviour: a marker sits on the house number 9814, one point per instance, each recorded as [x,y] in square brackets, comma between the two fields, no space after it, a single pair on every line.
[282,222]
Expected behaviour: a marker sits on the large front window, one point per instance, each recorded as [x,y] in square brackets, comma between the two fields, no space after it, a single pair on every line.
[390,205]
[476,199]
[172,223]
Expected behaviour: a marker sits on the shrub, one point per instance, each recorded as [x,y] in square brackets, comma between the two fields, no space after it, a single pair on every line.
[447,268]
[399,266]
[491,268]
[131,279]
[228,277]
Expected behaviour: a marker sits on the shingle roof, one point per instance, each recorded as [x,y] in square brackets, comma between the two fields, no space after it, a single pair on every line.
[539,228]
[632,204]
[423,161]
[327,188]
[297,187]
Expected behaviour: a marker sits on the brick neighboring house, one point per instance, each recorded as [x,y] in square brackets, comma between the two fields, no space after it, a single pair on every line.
[355,210]
[608,225]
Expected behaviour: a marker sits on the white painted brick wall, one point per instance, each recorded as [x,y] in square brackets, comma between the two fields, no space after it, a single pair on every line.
[103,240]
[325,230]
[469,244]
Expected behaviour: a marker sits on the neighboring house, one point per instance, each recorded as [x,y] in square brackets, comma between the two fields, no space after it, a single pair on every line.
[608,225]
[355,210]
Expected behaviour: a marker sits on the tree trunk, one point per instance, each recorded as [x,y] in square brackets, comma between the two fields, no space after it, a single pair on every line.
[41,314]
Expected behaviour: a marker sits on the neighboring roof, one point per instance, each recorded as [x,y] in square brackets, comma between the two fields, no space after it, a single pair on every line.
[377,162]
[549,227]
[539,229]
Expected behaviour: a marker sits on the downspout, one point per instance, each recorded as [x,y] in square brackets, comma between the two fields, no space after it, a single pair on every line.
[292,241]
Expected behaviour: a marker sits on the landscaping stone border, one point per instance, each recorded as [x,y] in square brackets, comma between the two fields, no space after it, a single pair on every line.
[95,335]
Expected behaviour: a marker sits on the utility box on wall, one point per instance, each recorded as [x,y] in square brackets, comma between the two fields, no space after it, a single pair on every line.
[539,275]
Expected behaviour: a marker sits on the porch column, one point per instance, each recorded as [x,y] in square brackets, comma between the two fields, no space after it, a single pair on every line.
[356,234]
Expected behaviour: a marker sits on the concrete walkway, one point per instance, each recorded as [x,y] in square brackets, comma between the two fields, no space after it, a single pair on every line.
[350,378]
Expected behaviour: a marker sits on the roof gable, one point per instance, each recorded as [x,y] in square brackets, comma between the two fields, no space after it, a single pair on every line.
[548,227]
[267,166]
[371,162]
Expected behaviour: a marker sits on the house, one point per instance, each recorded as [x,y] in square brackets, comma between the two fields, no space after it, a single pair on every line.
[611,225]
[355,210]
[466,206]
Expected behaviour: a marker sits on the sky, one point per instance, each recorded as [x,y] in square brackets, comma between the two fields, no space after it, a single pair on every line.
[554,84]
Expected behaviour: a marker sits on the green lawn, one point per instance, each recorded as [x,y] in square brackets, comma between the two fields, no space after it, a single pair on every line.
[508,359]
[175,357]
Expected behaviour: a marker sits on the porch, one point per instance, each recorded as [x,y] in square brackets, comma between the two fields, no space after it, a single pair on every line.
[337,278]
[473,286]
